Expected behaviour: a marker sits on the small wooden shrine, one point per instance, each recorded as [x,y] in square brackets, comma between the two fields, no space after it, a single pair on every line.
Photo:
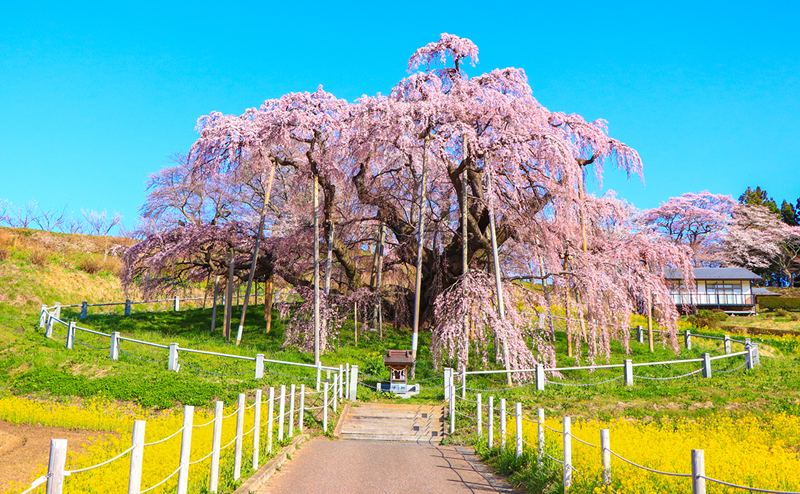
[398,362]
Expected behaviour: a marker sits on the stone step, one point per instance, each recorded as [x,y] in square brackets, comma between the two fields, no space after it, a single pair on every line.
[391,437]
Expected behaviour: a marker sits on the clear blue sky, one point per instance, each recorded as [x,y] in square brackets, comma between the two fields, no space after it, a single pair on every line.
[95,96]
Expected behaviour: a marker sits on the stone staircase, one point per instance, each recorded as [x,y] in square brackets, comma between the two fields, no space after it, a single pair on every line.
[394,422]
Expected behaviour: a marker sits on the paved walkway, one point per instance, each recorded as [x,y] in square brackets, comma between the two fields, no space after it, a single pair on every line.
[325,466]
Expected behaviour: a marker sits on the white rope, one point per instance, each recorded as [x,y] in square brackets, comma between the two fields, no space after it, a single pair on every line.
[583,385]
[650,469]
[36,483]
[169,477]
[231,415]
[731,370]
[168,437]
[232,441]
[668,378]
[465,416]
[582,441]
[207,423]
[203,458]
[753,489]
[548,427]
[554,459]
[467,399]
[70,472]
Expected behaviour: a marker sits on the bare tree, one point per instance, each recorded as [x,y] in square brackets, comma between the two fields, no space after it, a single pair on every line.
[99,223]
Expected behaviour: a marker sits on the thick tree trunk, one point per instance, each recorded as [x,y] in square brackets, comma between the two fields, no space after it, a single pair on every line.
[329,259]
[316,272]
[501,309]
[420,251]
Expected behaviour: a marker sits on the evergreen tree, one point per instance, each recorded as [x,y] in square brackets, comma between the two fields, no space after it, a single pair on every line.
[788,213]
[759,197]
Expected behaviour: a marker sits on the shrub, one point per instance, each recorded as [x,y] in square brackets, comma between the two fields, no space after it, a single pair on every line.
[90,265]
[38,257]
[774,303]
[707,319]
[783,313]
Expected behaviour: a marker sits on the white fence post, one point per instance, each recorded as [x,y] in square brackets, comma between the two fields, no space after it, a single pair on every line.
[48,333]
[748,357]
[84,310]
[301,414]
[186,449]
[335,392]
[270,418]
[502,423]
[213,481]
[727,341]
[281,412]
[757,355]
[452,404]
[687,339]
[347,381]
[127,307]
[113,350]
[135,476]
[480,413]
[43,316]
[707,365]
[256,429]
[446,378]
[639,334]
[540,421]
[70,335]
[177,304]
[540,377]
[490,423]
[172,363]
[259,366]
[463,383]
[341,382]
[518,416]
[57,310]
[325,408]
[698,472]
[605,448]
[567,453]
[628,372]
[319,374]
[55,468]
[353,382]
[291,410]
[237,456]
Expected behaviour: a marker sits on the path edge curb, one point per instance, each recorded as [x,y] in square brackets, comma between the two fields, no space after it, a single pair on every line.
[269,468]
[337,432]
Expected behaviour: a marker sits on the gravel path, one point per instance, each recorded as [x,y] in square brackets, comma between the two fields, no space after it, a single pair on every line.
[324,466]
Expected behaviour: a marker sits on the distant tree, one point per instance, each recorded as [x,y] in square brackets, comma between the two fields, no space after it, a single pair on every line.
[697,220]
[99,223]
[789,213]
[759,197]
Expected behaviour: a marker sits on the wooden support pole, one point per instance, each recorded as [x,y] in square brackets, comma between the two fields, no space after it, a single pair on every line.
[698,472]
[186,449]
[567,453]
[270,418]
[256,429]
[291,410]
[301,414]
[281,412]
[135,476]
[518,427]
[55,467]
[237,455]
[605,448]
[216,441]
[490,423]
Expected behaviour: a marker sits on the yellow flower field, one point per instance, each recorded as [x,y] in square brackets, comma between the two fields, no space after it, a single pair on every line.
[759,452]
[160,460]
